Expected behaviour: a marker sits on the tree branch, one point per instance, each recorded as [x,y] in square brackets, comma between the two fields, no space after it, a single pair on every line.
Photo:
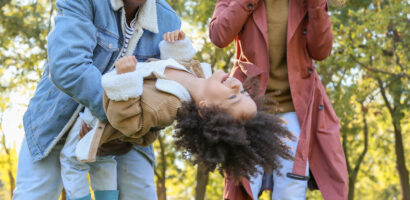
[344,144]
[383,91]
[157,174]
[163,158]
[399,75]
[366,143]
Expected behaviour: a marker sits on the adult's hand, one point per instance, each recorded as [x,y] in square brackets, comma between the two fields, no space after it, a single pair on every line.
[84,129]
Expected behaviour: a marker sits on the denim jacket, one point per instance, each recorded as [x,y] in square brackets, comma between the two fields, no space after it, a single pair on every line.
[86,41]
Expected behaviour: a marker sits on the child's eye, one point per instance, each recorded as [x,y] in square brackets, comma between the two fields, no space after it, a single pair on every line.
[232,97]
[245,93]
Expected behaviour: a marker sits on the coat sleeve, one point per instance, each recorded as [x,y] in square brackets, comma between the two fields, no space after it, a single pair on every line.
[70,49]
[122,101]
[125,116]
[228,19]
[319,32]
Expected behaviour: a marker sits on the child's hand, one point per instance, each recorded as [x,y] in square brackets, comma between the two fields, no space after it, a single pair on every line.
[174,36]
[85,128]
[126,64]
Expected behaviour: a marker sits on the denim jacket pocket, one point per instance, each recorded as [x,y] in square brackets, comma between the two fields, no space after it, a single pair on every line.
[106,46]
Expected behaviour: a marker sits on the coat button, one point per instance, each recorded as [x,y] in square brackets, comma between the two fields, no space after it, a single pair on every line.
[110,46]
[310,70]
[250,6]
[321,107]
[304,31]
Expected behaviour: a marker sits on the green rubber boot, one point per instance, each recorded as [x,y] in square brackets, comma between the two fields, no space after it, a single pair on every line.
[106,195]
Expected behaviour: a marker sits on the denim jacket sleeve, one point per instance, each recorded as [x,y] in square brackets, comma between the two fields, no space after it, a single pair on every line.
[70,50]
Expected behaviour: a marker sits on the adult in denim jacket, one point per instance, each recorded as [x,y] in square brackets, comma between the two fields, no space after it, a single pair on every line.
[84,44]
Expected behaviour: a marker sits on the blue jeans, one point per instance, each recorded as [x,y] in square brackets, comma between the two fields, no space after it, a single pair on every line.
[42,180]
[103,172]
[284,188]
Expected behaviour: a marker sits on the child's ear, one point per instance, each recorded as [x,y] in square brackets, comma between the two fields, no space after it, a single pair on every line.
[202,103]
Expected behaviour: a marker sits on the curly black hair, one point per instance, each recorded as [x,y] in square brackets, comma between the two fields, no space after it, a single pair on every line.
[211,136]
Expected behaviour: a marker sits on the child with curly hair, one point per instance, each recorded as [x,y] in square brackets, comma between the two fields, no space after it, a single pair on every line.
[218,123]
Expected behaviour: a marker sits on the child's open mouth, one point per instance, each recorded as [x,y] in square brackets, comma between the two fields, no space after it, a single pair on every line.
[224,78]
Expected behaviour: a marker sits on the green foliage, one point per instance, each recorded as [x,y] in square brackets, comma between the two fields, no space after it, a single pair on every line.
[370,53]
[370,50]
[23,30]
[197,14]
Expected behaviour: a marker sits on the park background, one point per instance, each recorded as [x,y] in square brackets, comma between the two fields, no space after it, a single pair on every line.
[366,77]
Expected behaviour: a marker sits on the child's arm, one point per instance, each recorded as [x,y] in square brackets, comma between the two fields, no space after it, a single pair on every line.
[122,105]
[176,46]
[122,97]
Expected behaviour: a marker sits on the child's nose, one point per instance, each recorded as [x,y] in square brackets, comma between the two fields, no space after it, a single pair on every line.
[235,86]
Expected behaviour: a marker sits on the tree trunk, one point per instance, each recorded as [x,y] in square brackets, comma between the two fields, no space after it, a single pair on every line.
[161,171]
[201,181]
[10,170]
[161,189]
[395,113]
[12,183]
[353,173]
[400,161]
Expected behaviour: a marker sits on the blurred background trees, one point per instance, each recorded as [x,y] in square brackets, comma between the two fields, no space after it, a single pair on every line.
[366,77]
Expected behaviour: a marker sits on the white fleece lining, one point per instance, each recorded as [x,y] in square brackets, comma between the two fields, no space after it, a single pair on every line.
[83,147]
[173,87]
[117,4]
[158,67]
[147,19]
[206,69]
[178,50]
[121,87]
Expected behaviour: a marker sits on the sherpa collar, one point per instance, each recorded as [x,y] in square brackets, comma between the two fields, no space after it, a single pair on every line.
[147,16]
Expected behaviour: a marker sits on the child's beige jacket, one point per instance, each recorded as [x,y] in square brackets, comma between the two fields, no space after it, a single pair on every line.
[138,104]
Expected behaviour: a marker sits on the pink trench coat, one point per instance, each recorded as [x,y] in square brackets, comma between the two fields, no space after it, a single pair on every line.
[309,36]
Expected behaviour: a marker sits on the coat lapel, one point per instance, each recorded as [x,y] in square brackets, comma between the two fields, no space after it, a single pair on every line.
[246,185]
[259,16]
[296,14]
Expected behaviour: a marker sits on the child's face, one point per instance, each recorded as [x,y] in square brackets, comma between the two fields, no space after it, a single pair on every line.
[227,93]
